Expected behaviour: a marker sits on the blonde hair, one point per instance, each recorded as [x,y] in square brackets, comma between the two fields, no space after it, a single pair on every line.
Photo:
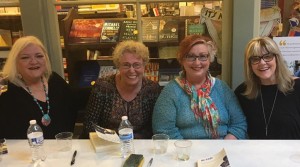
[10,67]
[130,46]
[284,78]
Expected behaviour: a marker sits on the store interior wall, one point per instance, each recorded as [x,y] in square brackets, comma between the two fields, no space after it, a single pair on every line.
[246,21]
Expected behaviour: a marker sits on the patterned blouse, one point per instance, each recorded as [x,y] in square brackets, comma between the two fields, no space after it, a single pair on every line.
[106,107]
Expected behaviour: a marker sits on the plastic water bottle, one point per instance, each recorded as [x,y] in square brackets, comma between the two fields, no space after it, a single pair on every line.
[126,137]
[36,140]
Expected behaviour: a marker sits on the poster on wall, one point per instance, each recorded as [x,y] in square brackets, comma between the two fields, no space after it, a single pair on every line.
[290,49]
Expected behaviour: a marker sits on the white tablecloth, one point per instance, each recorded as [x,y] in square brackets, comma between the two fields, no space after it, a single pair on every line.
[241,153]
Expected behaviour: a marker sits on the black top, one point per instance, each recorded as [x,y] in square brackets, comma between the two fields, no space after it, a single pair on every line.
[285,119]
[106,107]
[17,108]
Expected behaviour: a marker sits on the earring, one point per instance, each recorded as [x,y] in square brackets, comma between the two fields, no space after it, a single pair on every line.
[19,76]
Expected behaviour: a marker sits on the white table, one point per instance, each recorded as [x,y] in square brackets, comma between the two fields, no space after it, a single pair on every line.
[241,153]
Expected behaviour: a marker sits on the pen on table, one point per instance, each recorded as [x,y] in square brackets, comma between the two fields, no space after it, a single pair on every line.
[73,157]
[150,162]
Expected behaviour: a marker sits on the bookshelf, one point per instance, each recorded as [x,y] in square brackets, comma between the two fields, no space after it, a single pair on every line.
[162,43]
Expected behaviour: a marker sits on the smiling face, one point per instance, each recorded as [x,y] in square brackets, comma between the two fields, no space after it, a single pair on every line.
[131,69]
[31,63]
[197,70]
[265,71]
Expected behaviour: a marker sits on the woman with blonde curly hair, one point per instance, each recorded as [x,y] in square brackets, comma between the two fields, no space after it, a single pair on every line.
[270,95]
[127,93]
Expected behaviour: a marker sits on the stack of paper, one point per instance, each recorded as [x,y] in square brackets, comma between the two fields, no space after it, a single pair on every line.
[101,145]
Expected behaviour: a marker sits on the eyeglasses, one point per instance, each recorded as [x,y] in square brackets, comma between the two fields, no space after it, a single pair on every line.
[266,57]
[128,65]
[28,58]
[192,58]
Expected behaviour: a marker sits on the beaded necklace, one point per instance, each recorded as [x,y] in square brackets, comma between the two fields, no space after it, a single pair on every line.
[46,118]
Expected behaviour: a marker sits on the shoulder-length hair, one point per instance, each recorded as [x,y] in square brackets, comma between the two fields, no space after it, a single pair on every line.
[284,78]
[10,67]
[130,46]
[188,42]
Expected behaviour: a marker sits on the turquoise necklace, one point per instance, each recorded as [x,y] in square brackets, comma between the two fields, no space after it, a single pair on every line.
[46,118]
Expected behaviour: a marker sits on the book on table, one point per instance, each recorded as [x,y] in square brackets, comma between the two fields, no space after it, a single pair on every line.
[134,160]
[168,30]
[102,146]
[110,31]
[219,159]
[150,30]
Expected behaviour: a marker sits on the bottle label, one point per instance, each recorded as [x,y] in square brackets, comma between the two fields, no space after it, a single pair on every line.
[126,137]
[36,138]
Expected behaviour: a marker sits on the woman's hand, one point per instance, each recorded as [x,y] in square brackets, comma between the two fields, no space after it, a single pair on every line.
[230,137]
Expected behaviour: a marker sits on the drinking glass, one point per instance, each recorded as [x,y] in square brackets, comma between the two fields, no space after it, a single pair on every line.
[64,141]
[160,143]
[3,82]
[183,149]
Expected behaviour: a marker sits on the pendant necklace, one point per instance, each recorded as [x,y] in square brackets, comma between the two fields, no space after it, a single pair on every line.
[263,110]
[46,118]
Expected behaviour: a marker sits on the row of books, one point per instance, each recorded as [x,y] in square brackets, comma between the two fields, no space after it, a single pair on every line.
[90,71]
[9,11]
[153,30]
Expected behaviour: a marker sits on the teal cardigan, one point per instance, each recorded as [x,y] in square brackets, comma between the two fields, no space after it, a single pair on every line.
[172,113]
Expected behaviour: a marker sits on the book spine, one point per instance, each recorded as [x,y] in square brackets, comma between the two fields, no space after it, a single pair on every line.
[186,27]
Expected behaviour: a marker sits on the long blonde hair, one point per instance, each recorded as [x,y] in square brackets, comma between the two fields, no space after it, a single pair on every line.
[284,78]
[10,67]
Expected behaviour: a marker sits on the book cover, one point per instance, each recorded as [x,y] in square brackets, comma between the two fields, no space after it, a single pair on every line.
[150,30]
[86,30]
[168,30]
[106,71]
[193,26]
[167,52]
[128,30]
[88,73]
[134,160]
[219,159]
[110,31]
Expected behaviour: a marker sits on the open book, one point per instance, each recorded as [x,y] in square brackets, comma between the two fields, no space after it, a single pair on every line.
[107,134]
[219,159]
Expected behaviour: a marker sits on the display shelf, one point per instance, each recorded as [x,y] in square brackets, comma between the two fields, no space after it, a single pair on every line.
[161,52]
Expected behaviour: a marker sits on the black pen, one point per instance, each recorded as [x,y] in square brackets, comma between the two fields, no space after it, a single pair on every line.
[73,157]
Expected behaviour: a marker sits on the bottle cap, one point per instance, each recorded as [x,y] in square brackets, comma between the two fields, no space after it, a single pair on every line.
[124,117]
[32,122]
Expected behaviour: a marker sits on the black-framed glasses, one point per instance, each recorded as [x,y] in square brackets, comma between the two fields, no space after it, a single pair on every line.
[192,58]
[266,57]
[128,66]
